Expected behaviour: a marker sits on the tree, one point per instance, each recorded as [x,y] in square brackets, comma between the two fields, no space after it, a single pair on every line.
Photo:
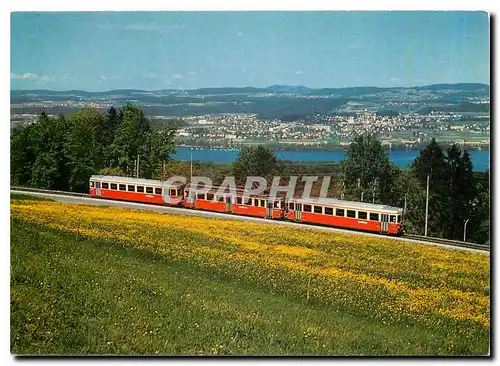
[83,149]
[478,229]
[367,167]
[257,161]
[37,157]
[431,162]
[130,141]
[162,146]
[22,155]
[63,152]
[460,193]
[410,195]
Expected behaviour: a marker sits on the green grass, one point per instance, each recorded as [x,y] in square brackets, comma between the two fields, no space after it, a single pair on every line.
[72,295]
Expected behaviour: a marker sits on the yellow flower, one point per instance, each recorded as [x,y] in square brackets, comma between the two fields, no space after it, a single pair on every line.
[381,277]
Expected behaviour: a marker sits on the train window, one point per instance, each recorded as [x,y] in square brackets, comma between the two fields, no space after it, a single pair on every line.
[256,202]
[328,211]
[92,184]
[262,203]
[210,196]
[307,208]
[200,196]
[122,187]
[362,215]
[149,189]
[238,200]
[220,198]
[140,189]
[105,185]
[114,186]
[318,209]
[373,216]
[276,204]
[399,218]
[393,218]
[339,212]
[157,190]
[186,193]
[351,213]
[131,188]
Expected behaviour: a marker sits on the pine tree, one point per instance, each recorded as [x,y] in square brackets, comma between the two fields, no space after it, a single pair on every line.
[431,162]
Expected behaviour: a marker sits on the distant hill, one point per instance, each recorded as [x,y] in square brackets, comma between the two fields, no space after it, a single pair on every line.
[225,90]
[462,86]
[297,89]
[287,102]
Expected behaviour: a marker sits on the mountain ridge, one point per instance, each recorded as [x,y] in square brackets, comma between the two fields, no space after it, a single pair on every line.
[296,89]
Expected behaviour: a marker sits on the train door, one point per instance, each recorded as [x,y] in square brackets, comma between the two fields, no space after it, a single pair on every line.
[269,209]
[191,197]
[298,211]
[384,223]
[98,189]
[166,195]
[229,204]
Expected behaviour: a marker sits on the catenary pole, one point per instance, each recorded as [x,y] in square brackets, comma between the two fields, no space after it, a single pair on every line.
[427,206]
[191,150]
[465,228]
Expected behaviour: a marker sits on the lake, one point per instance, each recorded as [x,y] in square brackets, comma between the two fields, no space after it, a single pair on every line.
[402,158]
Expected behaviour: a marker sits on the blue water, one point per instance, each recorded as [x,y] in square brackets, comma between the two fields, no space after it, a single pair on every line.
[402,158]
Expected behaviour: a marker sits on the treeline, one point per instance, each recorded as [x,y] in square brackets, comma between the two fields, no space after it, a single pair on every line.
[63,152]
[456,194]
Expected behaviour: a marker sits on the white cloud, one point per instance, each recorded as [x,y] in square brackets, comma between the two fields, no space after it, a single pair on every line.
[106,77]
[395,80]
[177,76]
[192,73]
[240,34]
[298,72]
[32,77]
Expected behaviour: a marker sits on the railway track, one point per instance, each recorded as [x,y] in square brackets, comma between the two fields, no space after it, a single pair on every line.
[409,237]
[456,243]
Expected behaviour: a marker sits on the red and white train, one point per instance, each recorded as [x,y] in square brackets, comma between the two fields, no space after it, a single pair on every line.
[323,211]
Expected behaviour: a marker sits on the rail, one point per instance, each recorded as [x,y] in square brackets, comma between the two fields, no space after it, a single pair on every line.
[455,243]
[48,191]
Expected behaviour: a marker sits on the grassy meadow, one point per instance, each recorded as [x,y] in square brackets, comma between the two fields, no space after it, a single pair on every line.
[103,280]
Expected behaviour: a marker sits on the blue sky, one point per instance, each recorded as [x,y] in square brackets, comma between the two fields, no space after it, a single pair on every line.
[97,51]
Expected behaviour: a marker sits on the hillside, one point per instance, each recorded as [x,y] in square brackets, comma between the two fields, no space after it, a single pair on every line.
[103,280]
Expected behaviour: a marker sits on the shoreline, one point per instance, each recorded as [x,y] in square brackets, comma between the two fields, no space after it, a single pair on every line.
[324,149]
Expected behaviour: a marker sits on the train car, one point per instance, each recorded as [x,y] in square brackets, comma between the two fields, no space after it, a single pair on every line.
[135,189]
[324,211]
[233,202]
[346,214]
